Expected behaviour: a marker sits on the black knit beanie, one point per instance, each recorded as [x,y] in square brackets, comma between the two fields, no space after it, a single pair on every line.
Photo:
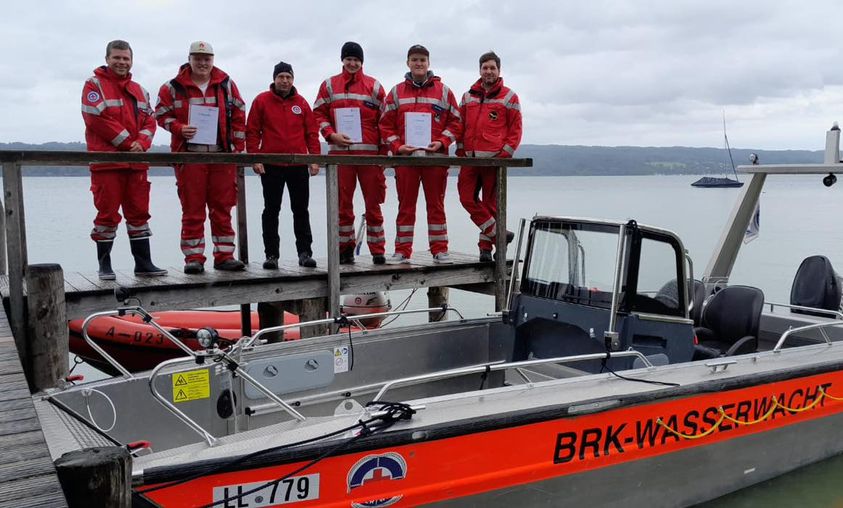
[351,49]
[282,67]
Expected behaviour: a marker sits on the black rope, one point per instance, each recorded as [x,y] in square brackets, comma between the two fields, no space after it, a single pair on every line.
[604,365]
[484,376]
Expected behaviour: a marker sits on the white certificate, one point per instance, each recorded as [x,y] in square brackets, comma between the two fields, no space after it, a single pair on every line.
[417,129]
[348,123]
[205,119]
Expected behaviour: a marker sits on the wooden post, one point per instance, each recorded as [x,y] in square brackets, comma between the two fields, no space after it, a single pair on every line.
[332,201]
[16,252]
[311,309]
[2,241]
[271,314]
[500,241]
[436,297]
[47,333]
[99,476]
[243,245]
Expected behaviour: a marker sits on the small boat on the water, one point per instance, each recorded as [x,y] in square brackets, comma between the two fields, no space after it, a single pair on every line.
[612,378]
[721,181]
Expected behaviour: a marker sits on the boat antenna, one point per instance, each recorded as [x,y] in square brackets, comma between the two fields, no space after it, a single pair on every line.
[728,148]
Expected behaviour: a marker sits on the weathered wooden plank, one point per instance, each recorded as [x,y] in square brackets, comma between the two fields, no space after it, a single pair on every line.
[41,490]
[79,282]
[27,466]
[18,409]
[21,392]
[22,439]
[19,426]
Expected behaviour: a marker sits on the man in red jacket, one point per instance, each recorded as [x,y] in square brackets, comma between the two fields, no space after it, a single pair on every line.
[347,109]
[281,121]
[202,95]
[118,118]
[491,117]
[423,105]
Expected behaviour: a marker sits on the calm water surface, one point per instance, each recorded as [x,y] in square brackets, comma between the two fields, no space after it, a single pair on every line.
[799,218]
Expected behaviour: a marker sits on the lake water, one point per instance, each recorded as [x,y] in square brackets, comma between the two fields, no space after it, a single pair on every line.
[799,218]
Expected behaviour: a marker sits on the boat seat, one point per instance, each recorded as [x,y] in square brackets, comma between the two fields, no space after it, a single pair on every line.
[668,296]
[729,324]
[816,285]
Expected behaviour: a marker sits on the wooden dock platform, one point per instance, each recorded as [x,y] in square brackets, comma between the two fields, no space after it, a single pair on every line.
[27,475]
[86,294]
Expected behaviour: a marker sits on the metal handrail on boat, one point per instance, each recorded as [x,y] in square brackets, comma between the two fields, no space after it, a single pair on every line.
[348,320]
[147,318]
[816,326]
[834,313]
[492,367]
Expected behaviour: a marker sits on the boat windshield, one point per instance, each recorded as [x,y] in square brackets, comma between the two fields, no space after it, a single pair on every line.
[576,262]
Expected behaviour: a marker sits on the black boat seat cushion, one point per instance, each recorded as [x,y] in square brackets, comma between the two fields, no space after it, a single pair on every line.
[730,321]
[815,285]
[669,297]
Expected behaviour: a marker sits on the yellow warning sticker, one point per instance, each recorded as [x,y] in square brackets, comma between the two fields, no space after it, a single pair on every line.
[191,385]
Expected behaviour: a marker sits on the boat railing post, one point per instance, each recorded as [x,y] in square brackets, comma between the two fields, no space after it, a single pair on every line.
[332,245]
[15,252]
[500,240]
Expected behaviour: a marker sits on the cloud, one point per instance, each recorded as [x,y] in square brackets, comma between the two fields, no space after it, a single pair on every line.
[606,72]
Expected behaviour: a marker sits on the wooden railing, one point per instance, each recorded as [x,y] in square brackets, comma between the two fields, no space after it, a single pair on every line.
[13,233]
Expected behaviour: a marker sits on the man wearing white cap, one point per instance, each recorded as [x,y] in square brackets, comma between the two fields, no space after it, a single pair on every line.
[203,110]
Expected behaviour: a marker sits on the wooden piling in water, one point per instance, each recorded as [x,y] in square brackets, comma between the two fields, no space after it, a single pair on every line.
[436,297]
[46,328]
[99,476]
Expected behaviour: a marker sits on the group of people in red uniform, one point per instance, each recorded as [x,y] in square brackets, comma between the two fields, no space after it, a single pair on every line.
[204,112]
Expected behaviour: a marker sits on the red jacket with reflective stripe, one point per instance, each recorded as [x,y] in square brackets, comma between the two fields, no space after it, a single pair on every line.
[117,113]
[173,108]
[346,90]
[491,121]
[432,97]
[281,124]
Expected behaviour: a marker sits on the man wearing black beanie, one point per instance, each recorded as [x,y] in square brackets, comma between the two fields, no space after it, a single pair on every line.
[281,121]
[347,110]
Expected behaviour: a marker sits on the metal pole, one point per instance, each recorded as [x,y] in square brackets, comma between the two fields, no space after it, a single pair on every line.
[500,240]
[243,245]
[16,252]
[332,202]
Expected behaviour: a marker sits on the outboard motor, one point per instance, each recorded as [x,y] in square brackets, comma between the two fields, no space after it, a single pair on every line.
[816,285]
[366,303]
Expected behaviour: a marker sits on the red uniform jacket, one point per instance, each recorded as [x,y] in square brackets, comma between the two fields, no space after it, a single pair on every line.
[432,97]
[173,108]
[491,121]
[281,124]
[346,90]
[117,113]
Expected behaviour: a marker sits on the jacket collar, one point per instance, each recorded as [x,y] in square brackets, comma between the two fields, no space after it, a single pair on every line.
[477,88]
[428,80]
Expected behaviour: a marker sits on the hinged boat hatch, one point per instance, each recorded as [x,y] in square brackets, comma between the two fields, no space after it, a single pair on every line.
[583,278]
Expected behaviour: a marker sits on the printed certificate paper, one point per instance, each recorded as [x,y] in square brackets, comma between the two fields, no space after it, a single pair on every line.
[205,119]
[417,129]
[348,123]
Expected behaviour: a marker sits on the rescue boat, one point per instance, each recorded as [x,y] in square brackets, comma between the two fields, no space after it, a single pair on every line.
[138,345]
[612,378]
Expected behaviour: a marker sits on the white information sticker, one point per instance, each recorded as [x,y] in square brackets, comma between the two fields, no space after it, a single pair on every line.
[340,359]
[291,490]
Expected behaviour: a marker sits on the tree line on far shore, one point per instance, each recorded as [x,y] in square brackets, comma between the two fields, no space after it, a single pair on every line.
[551,160]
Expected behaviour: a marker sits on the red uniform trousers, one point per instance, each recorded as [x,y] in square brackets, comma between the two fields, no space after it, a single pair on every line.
[115,188]
[433,180]
[373,185]
[213,186]
[477,188]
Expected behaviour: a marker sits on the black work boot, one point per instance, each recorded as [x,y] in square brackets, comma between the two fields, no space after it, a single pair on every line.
[347,256]
[143,259]
[306,260]
[104,257]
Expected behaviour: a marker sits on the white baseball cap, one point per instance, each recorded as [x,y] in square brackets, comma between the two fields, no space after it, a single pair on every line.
[201,48]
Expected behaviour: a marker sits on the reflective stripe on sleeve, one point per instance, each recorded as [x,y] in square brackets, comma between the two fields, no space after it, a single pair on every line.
[120,138]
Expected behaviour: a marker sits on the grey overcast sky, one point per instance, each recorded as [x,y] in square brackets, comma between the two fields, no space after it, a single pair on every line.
[597,72]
